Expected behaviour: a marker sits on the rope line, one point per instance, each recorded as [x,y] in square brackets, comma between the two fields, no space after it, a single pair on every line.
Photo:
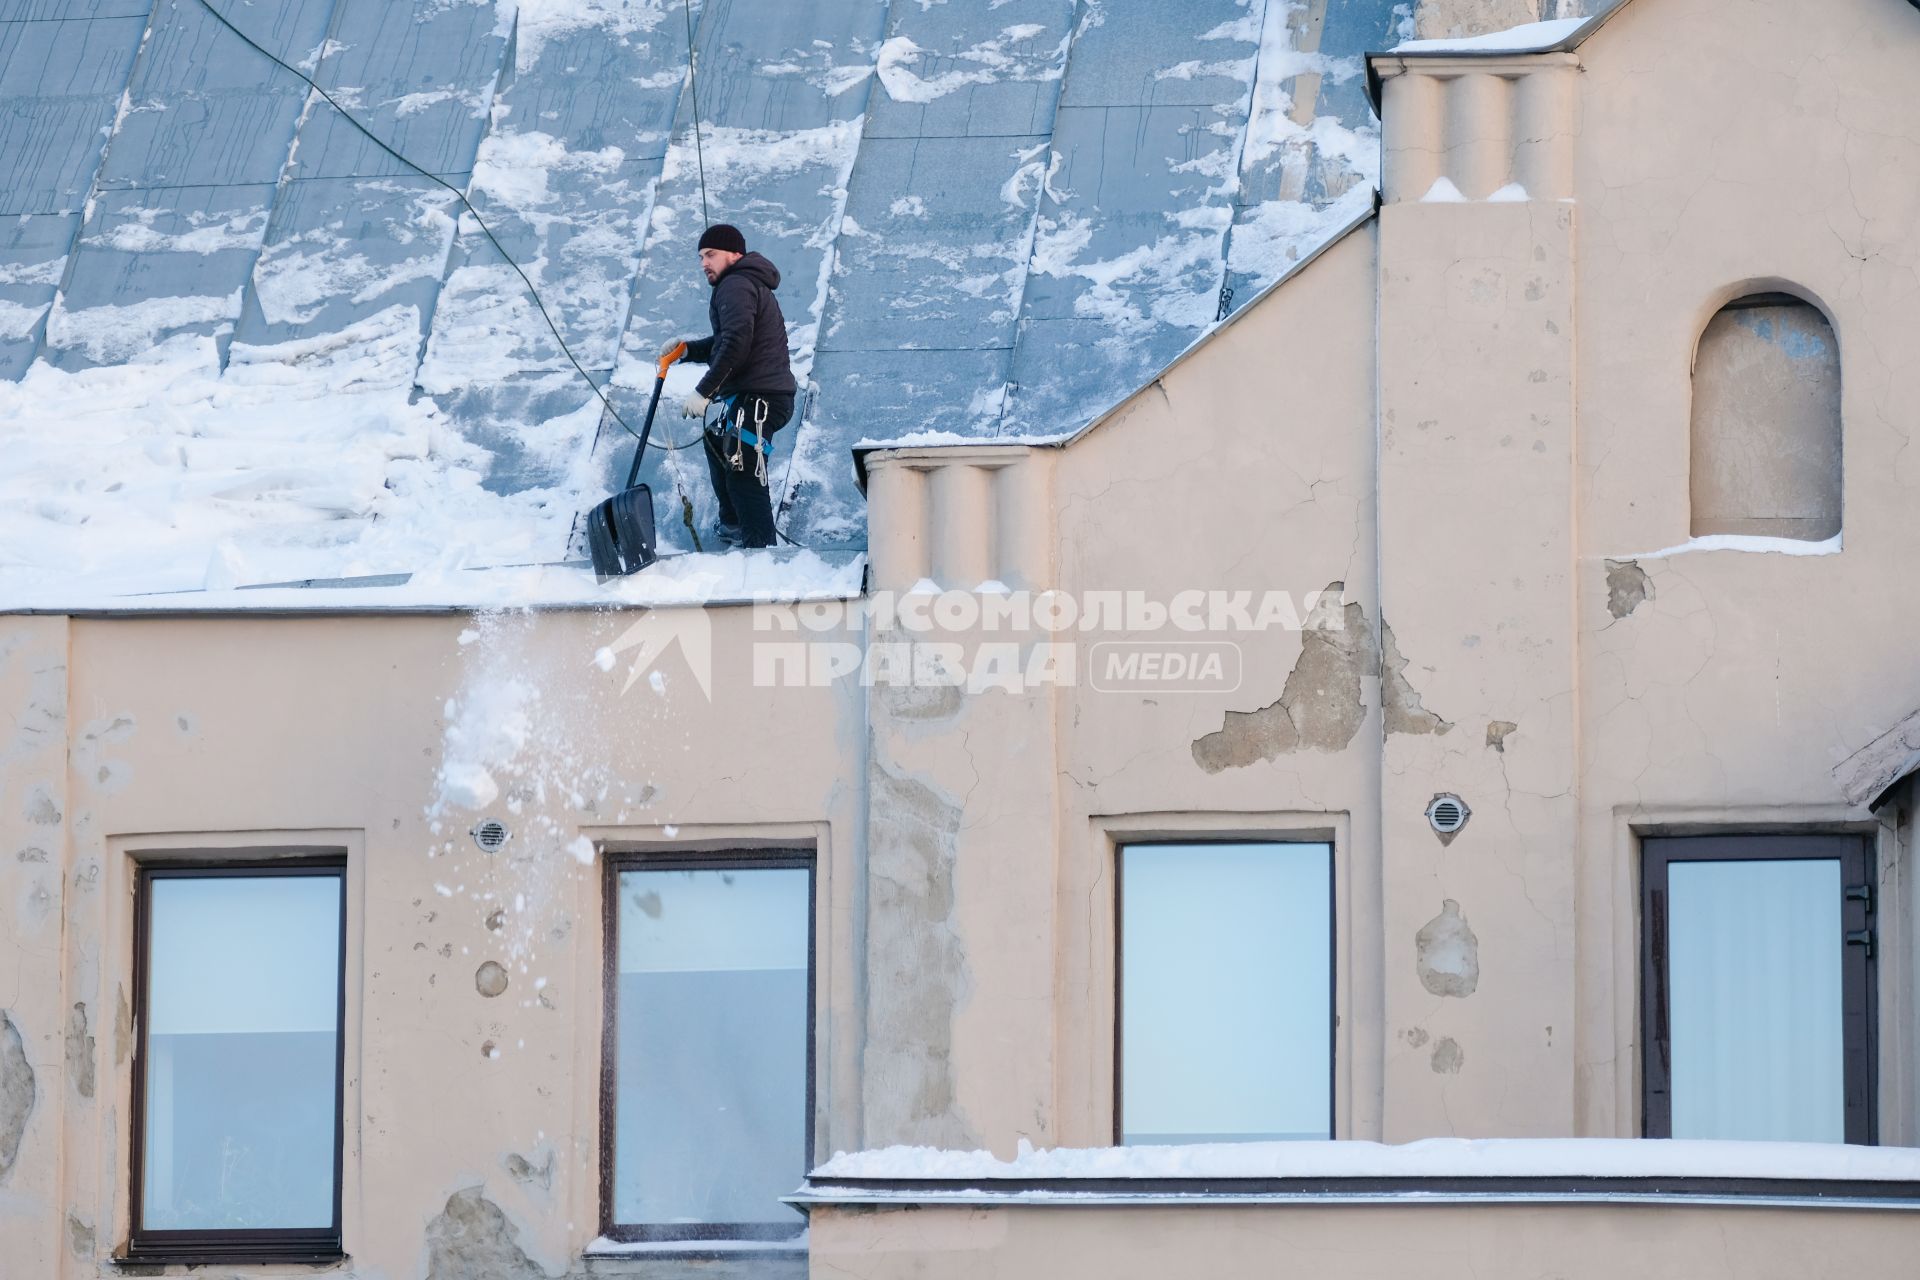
[693,86]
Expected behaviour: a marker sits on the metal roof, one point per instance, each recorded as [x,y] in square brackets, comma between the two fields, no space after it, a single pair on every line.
[992,218]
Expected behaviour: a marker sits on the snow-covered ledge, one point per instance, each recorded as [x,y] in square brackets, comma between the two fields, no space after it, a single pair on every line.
[1436,1170]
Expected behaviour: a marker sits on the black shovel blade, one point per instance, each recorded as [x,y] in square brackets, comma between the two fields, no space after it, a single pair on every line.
[620,533]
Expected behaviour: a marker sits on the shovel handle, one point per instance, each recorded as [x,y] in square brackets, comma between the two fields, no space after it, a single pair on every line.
[659,382]
[668,356]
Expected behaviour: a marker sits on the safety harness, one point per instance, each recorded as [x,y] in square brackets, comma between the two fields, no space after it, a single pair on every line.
[736,437]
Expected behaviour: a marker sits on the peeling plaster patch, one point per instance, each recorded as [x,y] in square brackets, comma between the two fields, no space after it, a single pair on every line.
[472,1238]
[79,1051]
[917,702]
[122,1026]
[16,1092]
[918,966]
[1497,731]
[1321,707]
[526,1171]
[1628,587]
[186,724]
[40,808]
[1415,1036]
[496,921]
[1447,1057]
[79,1237]
[31,854]
[1399,701]
[490,979]
[1447,954]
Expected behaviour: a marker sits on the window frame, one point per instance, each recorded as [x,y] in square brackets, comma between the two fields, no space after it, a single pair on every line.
[615,862]
[238,1246]
[1121,845]
[1859,972]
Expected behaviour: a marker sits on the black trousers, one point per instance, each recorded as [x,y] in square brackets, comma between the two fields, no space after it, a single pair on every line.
[738,485]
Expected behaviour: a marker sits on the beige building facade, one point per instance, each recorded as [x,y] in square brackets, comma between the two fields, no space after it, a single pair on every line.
[1569,494]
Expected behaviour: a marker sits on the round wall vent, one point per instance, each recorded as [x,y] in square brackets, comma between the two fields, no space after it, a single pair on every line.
[1446,814]
[490,835]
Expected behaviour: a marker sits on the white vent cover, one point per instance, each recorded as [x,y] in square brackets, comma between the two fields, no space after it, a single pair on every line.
[490,835]
[1446,814]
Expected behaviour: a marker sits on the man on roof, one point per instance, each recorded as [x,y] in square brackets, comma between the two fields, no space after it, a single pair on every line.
[748,380]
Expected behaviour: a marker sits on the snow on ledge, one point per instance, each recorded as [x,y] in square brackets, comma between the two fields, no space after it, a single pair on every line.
[1430,1158]
[957,440]
[733,577]
[1752,542]
[1533,37]
[602,1247]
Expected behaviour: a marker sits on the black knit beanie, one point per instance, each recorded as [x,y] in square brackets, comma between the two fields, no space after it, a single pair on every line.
[723,237]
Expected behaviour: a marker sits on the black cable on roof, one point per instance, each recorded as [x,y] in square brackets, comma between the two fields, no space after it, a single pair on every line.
[460,195]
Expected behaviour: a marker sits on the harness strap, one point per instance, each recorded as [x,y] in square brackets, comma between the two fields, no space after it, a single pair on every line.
[733,427]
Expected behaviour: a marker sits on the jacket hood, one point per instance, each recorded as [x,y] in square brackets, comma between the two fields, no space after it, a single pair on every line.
[753,264]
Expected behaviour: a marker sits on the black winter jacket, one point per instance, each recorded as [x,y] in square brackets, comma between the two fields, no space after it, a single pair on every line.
[748,349]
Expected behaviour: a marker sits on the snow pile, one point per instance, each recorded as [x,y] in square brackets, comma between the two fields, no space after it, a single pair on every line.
[307,459]
[1430,1158]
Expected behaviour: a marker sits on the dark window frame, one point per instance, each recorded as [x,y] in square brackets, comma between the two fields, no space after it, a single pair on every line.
[614,862]
[1120,847]
[280,1245]
[1859,972]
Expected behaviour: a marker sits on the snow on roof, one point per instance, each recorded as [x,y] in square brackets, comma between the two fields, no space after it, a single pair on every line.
[1531,37]
[1429,1158]
[676,579]
[245,344]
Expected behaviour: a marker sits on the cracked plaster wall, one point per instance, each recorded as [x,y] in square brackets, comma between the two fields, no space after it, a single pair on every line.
[1477,554]
[1725,686]
[1249,468]
[35,1095]
[268,731]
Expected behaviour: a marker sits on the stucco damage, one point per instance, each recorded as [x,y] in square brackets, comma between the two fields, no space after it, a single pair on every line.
[915,950]
[1447,954]
[471,1237]
[80,1048]
[1628,587]
[1323,703]
[17,1093]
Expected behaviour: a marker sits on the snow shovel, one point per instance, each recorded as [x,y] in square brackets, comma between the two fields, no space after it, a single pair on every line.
[620,532]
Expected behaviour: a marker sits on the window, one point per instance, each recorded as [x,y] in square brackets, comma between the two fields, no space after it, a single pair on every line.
[709,1059]
[1766,422]
[1226,993]
[1758,988]
[239,1002]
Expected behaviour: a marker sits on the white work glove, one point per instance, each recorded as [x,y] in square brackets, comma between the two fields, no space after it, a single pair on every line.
[694,406]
